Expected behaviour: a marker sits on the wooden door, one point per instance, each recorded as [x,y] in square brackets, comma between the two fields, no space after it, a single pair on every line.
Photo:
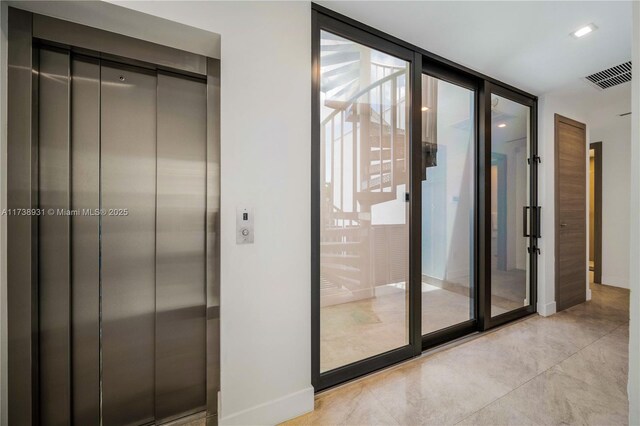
[571,212]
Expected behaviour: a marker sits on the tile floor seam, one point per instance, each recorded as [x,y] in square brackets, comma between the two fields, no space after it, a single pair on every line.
[511,391]
[579,349]
[384,406]
[542,372]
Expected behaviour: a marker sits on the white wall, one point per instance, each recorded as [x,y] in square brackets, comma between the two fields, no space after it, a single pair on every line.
[634,270]
[616,168]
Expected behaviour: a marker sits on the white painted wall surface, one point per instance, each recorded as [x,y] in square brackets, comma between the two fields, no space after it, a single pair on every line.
[634,270]
[616,168]
[266,152]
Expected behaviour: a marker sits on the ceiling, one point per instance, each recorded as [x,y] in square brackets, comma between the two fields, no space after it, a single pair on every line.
[526,44]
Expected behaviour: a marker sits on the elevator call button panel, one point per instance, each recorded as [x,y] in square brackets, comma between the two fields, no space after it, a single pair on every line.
[244,225]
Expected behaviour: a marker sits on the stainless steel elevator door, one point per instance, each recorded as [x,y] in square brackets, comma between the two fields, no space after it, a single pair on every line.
[85,240]
[122,290]
[53,236]
[128,181]
[180,247]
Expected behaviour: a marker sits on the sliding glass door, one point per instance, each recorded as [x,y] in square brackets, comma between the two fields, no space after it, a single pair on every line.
[364,229]
[448,176]
[513,213]
[424,215]
[364,170]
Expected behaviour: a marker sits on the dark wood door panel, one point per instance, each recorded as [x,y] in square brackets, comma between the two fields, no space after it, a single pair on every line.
[571,219]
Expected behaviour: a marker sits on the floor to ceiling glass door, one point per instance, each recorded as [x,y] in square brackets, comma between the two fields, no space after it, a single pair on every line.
[513,219]
[448,196]
[364,178]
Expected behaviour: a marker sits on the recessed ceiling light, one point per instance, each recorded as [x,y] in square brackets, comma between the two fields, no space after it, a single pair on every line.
[425,108]
[502,125]
[581,32]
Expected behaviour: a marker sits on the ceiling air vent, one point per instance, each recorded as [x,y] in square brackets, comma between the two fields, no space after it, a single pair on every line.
[611,76]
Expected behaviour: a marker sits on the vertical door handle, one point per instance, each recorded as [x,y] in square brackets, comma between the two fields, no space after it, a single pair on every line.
[525,230]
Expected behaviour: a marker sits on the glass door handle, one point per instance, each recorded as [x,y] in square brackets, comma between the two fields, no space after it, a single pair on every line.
[525,222]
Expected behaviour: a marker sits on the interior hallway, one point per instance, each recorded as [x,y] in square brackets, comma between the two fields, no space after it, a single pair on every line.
[570,368]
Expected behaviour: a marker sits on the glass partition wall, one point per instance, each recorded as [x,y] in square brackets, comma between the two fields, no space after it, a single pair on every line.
[448,167]
[424,215]
[364,227]
[509,194]
[513,216]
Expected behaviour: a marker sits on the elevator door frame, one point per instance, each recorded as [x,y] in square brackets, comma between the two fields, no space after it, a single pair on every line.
[27,32]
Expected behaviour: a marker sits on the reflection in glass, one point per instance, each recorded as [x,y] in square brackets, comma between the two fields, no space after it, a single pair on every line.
[509,195]
[447,204]
[364,216]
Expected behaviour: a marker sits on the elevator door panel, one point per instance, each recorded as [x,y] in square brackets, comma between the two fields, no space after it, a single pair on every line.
[128,156]
[180,247]
[53,231]
[85,240]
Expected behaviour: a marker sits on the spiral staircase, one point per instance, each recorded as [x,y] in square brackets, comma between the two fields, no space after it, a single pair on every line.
[364,147]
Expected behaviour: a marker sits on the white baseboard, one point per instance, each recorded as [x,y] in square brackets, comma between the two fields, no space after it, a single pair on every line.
[275,411]
[548,309]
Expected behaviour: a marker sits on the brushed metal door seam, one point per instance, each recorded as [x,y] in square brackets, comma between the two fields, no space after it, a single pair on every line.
[85,240]
[54,275]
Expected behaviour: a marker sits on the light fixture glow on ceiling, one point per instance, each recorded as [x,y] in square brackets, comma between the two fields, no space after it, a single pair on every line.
[502,125]
[425,108]
[583,31]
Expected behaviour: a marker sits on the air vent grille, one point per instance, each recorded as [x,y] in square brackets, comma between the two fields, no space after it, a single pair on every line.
[611,76]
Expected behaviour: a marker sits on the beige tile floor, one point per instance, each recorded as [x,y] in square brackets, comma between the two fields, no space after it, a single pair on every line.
[570,368]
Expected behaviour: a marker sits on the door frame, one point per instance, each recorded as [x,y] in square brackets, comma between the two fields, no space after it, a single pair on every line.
[421,61]
[597,212]
[557,119]
[27,32]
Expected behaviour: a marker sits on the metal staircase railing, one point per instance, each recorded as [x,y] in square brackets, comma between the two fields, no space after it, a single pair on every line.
[363,160]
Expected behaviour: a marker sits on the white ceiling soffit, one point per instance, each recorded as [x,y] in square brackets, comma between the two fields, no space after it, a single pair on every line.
[523,43]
